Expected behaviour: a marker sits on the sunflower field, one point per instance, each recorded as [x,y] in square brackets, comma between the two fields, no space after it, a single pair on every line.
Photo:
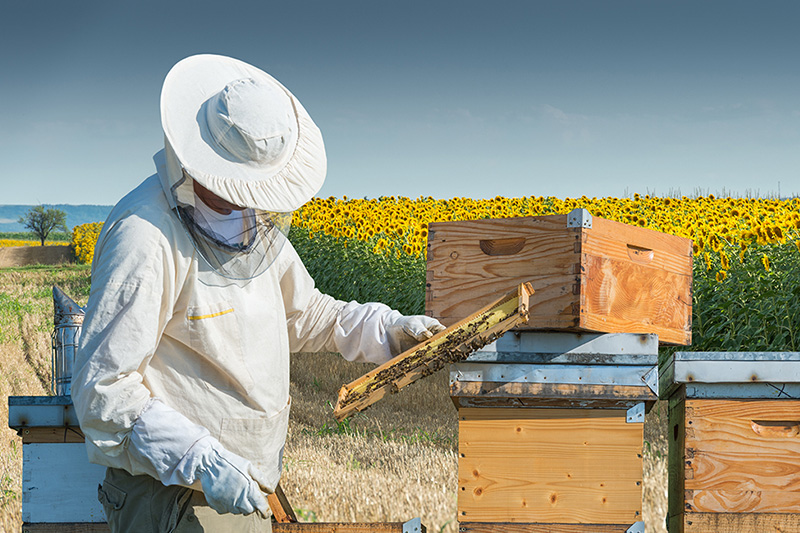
[746,270]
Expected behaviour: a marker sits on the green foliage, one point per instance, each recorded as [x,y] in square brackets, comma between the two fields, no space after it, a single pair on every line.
[42,221]
[59,236]
[348,269]
[753,308]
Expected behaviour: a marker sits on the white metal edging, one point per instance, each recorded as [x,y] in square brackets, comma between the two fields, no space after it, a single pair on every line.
[637,527]
[728,371]
[635,414]
[560,374]
[559,342]
[579,218]
[413,526]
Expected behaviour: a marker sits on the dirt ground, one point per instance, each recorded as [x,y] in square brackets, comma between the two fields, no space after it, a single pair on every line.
[15,256]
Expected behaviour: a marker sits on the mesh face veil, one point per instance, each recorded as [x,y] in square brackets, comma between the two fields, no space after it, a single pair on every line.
[241,245]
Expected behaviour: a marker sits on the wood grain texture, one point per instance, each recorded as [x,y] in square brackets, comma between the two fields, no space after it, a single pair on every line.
[449,346]
[502,389]
[736,523]
[549,466]
[676,466]
[66,527]
[509,527]
[52,434]
[608,278]
[343,527]
[742,456]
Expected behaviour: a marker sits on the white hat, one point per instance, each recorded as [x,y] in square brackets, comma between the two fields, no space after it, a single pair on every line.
[241,134]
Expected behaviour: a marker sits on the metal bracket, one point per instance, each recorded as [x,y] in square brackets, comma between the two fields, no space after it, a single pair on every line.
[415,526]
[651,379]
[579,218]
[637,527]
[635,415]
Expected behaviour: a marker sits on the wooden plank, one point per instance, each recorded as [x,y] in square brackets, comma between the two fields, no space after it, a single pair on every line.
[549,465]
[280,506]
[51,434]
[341,527]
[641,246]
[65,527]
[59,484]
[742,500]
[676,466]
[449,346]
[513,527]
[500,389]
[739,523]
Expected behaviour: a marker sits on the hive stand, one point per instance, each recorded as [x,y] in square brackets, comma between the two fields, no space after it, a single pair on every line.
[734,441]
[59,484]
[551,430]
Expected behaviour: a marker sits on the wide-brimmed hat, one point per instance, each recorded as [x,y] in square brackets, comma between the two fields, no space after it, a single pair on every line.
[241,134]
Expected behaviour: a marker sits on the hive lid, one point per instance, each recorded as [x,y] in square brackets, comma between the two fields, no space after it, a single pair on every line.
[713,374]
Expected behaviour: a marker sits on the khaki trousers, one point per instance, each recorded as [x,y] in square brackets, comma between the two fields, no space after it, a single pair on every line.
[141,504]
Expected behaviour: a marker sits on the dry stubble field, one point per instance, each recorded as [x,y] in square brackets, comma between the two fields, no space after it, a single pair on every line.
[394,462]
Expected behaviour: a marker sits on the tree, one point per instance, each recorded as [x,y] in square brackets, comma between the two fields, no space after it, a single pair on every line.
[42,221]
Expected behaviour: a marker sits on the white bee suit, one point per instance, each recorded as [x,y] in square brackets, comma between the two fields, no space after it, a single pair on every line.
[161,324]
[182,372]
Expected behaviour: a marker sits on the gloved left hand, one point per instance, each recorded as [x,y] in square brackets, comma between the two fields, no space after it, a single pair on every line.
[405,332]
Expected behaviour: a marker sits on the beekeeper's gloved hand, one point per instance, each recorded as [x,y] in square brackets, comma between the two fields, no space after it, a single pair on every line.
[231,483]
[405,332]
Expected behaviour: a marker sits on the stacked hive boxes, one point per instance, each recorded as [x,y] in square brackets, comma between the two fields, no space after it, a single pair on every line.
[550,416]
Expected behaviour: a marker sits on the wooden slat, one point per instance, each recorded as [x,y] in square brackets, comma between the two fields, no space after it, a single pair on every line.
[449,346]
[501,389]
[741,500]
[621,242]
[549,465]
[739,523]
[341,527]
[51,434]
[676,466]
[510,527]
[280,506]
[66,527]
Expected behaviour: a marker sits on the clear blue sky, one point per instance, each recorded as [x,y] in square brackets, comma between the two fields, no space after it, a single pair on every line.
[444,99]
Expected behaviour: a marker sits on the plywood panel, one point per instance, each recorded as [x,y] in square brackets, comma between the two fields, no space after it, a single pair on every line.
[549,465]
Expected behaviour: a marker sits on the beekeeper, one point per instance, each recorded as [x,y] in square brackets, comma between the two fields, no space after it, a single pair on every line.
[181,380]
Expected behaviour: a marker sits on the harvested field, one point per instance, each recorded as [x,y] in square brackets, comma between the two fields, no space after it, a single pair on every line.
[391,463]
[17,256]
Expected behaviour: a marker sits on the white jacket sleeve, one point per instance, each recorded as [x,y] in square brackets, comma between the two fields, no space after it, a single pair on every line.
[317,322]
[131,300]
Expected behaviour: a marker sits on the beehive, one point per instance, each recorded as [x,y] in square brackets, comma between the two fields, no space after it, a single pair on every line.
[550,432]
[589,274]
[734,442]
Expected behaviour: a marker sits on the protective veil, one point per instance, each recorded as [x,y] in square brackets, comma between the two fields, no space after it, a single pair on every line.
[183,373]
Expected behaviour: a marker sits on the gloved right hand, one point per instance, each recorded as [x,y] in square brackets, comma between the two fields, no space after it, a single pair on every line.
[230,483]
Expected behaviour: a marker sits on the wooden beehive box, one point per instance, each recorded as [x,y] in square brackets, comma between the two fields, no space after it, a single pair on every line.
[550,432]
[589,274]
[734,442]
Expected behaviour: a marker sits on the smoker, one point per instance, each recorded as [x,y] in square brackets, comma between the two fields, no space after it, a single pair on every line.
[68,320]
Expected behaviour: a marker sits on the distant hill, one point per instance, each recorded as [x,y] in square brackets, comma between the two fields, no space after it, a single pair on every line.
[76,215]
